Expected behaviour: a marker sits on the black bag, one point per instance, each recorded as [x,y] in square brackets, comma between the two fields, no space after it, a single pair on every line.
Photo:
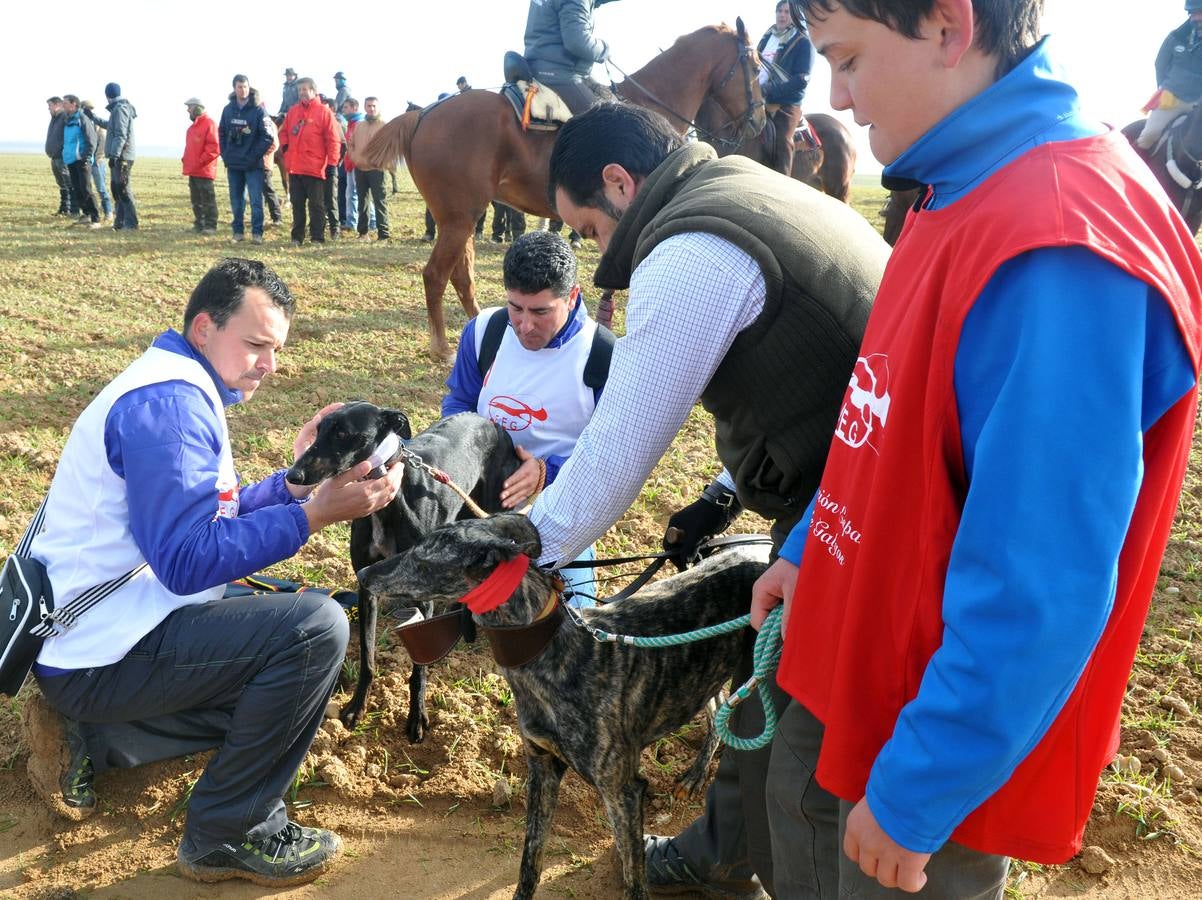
[25,601]
[27,613]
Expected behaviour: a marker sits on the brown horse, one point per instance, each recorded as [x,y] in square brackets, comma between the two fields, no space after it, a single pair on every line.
[470,149]
[1177,163]
[894,213]
[826,164]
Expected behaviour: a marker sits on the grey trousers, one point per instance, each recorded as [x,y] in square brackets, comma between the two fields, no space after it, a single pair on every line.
[807,825]
[730,845]
[248,675]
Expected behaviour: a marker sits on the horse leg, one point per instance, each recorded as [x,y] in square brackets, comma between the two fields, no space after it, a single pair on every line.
[450,247]
[463,279]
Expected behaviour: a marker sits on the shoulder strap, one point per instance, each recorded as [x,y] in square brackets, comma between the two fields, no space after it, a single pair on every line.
[491,342]
[67,615]
[596,367]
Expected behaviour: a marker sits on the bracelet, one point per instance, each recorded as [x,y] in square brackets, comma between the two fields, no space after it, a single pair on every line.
[542,476]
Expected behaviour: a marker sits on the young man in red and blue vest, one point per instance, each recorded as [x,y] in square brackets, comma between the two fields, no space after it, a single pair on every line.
[980,554]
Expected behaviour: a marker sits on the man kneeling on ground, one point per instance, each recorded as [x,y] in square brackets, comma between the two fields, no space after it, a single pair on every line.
[169,667]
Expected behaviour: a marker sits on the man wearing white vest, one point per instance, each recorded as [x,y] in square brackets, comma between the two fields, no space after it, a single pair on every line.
[145,508]
[537,371]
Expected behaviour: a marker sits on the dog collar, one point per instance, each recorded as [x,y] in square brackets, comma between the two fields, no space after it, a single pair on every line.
[515,645]
[498,586]
[384,451]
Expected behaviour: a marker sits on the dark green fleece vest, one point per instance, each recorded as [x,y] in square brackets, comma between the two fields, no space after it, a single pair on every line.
[776,395]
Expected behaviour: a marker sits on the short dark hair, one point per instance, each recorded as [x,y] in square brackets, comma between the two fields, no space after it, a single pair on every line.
[461,79]
[237,78]
[306,80]
[70,98]
[635,138]
[54,99]
[538,261]
[1005,28]
[222,289]
[352,101]
[369,99]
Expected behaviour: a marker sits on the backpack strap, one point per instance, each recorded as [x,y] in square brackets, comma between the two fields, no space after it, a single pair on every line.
[491,342]
[596,367]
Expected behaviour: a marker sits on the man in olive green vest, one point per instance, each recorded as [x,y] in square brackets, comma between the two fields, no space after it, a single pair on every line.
[749,292]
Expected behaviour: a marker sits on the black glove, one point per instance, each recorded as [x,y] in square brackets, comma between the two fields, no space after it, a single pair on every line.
[702,518]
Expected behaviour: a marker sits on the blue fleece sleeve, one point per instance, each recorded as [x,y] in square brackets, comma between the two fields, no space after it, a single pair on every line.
[164,441]
[1063,363]
[795,543]
[465,381]
[271,491]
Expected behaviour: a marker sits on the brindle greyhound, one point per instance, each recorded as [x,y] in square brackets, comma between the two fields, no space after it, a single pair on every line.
[581,704]
[477,454]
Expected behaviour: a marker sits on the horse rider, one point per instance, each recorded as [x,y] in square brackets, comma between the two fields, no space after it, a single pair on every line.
[1178,75]
[788,56]
[561,49]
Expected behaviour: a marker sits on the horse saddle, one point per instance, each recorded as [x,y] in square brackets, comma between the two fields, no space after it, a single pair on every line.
[537,106]
[806,138]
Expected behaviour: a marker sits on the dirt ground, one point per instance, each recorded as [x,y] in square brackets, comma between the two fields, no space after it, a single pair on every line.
[444,819]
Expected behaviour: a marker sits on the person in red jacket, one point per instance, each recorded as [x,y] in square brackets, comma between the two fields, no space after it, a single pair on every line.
[310,142]
[966,593]
[201,150]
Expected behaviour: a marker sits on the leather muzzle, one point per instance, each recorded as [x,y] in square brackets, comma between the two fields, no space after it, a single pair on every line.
[431,639]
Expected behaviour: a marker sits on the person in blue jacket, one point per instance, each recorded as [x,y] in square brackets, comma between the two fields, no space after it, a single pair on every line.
[146,509]
[79,148]
[244,139]
[788,56]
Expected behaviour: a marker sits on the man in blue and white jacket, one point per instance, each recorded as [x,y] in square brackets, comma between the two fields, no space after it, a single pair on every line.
[145,508]
[535,380]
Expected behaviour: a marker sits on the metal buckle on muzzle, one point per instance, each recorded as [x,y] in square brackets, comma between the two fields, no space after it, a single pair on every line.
[429,640]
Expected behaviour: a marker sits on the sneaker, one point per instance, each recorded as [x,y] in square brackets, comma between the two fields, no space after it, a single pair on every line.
[668,872]
[96,224]
[197,228]
[208,231]
[256,239]
[296,243]
[576,243]
[497,239]
[293,856]
[237,239]
[59,768]
[428,237]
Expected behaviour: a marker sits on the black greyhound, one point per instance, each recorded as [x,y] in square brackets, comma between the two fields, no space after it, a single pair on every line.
[582,704]
[477,454]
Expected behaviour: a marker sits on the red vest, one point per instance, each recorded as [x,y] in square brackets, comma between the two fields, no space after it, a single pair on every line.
[867,616]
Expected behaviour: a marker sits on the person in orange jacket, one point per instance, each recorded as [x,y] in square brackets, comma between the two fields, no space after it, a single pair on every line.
[311,142]
[201,150]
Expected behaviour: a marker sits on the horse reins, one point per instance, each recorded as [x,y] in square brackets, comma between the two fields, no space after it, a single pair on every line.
[747,121]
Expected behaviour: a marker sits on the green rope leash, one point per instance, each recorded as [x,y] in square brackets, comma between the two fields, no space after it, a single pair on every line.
[765,657]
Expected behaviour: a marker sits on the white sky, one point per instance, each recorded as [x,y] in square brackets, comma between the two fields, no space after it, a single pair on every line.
[164,52]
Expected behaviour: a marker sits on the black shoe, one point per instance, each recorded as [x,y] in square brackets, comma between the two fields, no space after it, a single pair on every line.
[668,872]
[295,855]
[59,767]
[497,239]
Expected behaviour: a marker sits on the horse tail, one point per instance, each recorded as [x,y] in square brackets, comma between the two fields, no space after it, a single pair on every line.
[391,143]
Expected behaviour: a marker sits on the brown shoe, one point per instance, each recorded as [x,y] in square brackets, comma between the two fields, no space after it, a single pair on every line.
[59,767]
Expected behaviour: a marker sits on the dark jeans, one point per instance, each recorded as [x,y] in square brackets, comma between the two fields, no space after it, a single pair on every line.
[807,825]
[204,202]
[307,189]
[250,676]
[556,226]
[126,215]
[81,184]
[372,181]
[328,195]
[507,222]
[343,216]
[66,201]
[272,199]
[243,182]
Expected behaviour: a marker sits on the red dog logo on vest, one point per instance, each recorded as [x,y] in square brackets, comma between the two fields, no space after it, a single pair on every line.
[866,407]
[512,414]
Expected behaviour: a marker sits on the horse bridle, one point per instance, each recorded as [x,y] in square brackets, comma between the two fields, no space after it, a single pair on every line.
[746,122]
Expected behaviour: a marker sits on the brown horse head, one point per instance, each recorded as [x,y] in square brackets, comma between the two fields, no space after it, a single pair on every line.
[737,90]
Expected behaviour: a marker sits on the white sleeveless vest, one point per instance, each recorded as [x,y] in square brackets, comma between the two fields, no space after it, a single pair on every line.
[86,539]
[538,396]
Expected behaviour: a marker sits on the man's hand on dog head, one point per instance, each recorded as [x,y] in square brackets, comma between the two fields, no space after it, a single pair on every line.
[350,496]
